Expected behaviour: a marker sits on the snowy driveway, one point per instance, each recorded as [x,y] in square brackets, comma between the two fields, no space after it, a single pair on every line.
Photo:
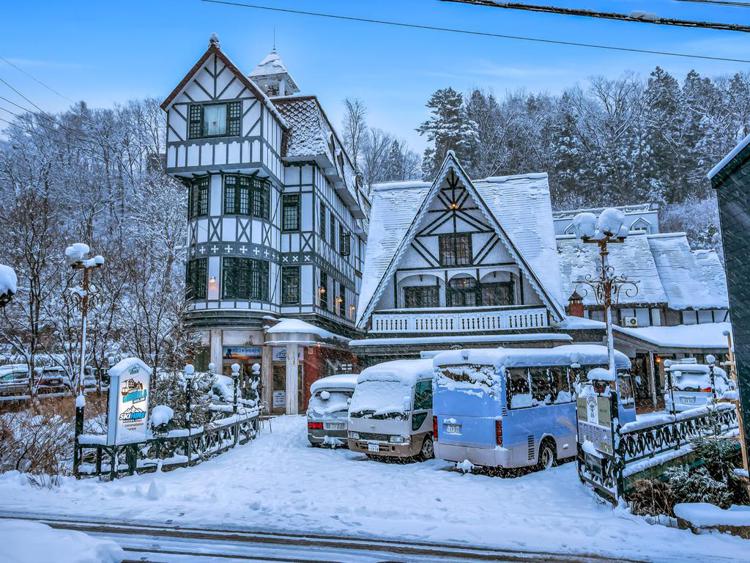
[279,483]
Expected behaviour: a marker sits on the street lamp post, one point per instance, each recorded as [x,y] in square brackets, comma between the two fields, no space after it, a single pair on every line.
[608,228]
[189,373]
[235,380]
[77,256]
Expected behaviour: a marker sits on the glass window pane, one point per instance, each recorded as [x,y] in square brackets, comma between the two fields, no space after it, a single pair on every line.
[215,119]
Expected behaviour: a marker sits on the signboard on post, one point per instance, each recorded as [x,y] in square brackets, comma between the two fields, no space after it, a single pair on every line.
[127,414]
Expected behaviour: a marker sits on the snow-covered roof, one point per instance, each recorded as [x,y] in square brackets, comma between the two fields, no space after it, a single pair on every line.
[298,326]
[707,335]
[406,372]
[729,157]
[465,339]
[691,279]
[583,354]
[272,65]
[631,258]
[666,269]
[519,205]
[338,381]
[8,280]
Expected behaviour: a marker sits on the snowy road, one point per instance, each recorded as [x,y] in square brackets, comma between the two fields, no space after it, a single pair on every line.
[171,543]
[277,484]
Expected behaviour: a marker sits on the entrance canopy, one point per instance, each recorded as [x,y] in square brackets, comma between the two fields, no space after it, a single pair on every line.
[700,338]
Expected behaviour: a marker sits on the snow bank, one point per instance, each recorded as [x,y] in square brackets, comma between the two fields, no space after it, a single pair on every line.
[8,280]
[705,515]
[31,542]
[583,354]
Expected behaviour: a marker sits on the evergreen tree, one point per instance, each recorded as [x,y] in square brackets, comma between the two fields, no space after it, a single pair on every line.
[449,128]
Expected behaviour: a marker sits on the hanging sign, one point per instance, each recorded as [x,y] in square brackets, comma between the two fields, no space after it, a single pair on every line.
[129,388]
[231,352]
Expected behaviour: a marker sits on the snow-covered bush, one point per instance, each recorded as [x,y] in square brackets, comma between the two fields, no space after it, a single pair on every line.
[697,485]
[170,389]
[651,497]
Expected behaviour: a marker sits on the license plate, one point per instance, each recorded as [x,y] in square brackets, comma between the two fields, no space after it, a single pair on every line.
[453,428]
[334,426]
[687,400]
[373,447]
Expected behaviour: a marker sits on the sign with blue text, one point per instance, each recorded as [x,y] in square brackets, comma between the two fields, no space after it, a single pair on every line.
[129,387]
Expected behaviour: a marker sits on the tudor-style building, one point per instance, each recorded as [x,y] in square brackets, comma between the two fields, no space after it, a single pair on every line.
[456,261]
[277,223]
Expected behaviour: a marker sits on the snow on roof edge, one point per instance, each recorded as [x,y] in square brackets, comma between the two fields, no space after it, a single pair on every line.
[728,158]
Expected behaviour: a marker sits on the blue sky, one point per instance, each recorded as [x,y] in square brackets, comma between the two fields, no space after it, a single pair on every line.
[109,52]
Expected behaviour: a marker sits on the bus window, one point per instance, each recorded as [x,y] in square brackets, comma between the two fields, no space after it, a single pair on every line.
[560,385]
[541,390]
[518,389]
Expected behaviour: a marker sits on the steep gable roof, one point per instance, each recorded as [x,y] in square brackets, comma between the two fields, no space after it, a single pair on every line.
[214,49]
[401,209]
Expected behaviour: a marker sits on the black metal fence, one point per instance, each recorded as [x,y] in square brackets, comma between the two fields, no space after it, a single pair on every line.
[172,449]
[640,446]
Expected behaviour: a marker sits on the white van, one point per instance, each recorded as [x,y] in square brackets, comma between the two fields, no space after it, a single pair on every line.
[391,410]
[328,409]
[688,385]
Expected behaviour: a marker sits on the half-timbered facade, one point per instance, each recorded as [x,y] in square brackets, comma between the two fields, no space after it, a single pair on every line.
[277,221]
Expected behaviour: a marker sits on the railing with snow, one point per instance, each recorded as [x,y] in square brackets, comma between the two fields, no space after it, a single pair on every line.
[174,448]
[450,320]
[651,443]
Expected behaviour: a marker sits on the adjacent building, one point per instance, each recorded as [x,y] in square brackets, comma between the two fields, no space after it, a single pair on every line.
[277,224]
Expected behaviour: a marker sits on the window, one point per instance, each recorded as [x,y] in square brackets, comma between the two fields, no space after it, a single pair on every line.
[323,291]
[198,197]
[332,236]
[517,388]
[214,120]
[455,249]
[341,300]
[290,213]
[323,215]
[421,296]
[244,278]
[462,292]
[541,386]
[246,195]
[196,278]
[344,241]
[423,395]
[290,285]
[498,294]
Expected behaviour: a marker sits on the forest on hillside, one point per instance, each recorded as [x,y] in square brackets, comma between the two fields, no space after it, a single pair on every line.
[606,142]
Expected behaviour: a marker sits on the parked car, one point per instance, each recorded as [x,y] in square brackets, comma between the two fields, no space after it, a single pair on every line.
[328,409]
[391,410]
[14,379]
[512,408]
[51,379]
[688,385]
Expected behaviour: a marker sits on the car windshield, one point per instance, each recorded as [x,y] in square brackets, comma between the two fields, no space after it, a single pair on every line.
[381,400]
[329,401]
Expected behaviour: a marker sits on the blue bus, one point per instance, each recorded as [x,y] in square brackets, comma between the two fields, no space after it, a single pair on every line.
[515,407]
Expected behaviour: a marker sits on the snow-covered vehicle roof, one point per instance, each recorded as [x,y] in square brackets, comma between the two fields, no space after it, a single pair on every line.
[582,354]
[12,368]
[406,372]
[338,381]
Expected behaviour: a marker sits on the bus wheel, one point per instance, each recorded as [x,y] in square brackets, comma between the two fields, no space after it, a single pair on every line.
[547,457]
[428,450]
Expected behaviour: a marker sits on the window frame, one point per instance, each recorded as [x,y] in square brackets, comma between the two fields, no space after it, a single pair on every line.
[323,295]
[232,124]
[453,292]
[296,206]
[285,272]
[244,279]
[417,302]
[344,241]
[196,275]
[323,224]
[256,191]
[199,195]
[448,248]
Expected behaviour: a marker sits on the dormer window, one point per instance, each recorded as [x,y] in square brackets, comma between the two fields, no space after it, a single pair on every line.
[215,120]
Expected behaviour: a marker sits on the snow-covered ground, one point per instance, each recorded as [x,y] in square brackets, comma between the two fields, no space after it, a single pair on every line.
[280,483]
[30,542]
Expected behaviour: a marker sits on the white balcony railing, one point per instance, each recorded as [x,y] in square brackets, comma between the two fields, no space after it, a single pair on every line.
[459,321]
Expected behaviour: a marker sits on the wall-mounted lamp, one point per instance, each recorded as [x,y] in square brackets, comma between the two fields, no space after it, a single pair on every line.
[212,279]
[454,205]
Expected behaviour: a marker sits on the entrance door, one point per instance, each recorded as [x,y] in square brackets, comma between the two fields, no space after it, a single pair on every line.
[278,393]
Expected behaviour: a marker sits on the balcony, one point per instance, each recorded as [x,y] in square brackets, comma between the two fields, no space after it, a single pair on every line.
[459,320]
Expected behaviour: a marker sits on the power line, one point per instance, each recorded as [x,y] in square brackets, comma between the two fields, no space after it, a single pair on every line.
[9,85]
[15,104]
[27,73]
[635,17]
[720,3]
[479,33]
[14,114]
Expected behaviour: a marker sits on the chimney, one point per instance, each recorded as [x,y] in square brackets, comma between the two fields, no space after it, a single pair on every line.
[575,305]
